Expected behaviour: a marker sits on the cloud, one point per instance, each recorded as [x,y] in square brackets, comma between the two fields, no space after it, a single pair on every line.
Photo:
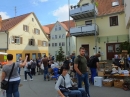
[62,13]
[4,15]
[43,0]
[36,2]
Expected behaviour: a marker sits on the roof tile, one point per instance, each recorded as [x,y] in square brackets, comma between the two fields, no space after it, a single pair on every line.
[11,22]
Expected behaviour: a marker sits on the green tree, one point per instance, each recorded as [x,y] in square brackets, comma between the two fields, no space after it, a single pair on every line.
[60,55]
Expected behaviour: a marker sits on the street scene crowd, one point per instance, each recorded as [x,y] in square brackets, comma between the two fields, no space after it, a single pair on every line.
[73,67]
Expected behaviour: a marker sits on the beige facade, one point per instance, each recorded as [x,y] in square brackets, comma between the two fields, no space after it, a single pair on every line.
[108,36]
[27,37]
[59,39]
[127,14]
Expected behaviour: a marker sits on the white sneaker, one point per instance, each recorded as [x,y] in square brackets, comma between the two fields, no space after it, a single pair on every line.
[24,80]
[31,79]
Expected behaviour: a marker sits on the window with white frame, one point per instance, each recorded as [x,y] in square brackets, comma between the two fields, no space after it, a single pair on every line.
[44,43]
[55,28]
[63,43]
[26,28]
[59,44]
[36,31]
[59,36]
[63,36]
[52,44]
[55,44]
[55,36]
[59,28]
[17,39]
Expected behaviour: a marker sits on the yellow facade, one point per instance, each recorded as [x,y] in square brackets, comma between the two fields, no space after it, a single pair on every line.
[24,47]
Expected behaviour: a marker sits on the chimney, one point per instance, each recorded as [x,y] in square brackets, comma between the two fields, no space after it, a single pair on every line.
[0,22]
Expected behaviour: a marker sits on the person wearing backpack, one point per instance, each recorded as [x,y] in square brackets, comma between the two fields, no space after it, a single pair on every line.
[80,66]
[33,67]
[94,66]
[27,70]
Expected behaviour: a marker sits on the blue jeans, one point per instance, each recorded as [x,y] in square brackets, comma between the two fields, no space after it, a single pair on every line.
[19,69]
[84,78]
[76,93]
[46,74]
[29,73]
[13,89]
[93,74]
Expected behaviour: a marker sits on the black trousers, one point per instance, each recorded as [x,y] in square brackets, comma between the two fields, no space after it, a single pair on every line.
[33,71]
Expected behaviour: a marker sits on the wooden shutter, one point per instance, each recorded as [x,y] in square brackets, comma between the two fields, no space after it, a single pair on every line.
[13,39]
[21,40]
[35,30]
[33,42]
[27,28]
[38,31]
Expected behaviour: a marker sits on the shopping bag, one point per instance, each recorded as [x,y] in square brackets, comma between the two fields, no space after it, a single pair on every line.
[3,93]
[42,66]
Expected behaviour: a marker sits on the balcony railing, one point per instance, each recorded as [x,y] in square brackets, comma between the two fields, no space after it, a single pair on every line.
[86,30]
[85,11]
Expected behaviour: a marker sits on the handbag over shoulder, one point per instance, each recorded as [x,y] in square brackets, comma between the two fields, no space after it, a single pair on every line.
[4,83]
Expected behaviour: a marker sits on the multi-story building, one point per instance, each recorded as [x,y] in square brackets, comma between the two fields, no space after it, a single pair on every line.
[23,35]
[127,14]
[100,26]
[60,37]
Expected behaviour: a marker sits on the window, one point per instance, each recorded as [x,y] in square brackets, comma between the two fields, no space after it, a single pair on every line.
[18,56]
[59,44]
[26,28]
[49,44]
[59,28]
[36,31]
[55,44]
[63,36]
[55,36]
[34,56]
[55,29]
[17,39]
[33,19]
[114,21]
[59,36]
[52,44]
[44,43]
[31,42]
[63,43]
[88,22]
[39,55]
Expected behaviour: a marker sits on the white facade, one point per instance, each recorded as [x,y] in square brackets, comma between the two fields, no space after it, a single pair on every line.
[3,42]
[58,39]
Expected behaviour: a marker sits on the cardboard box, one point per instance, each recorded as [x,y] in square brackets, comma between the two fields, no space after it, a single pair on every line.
[100,73]
[118,83]
[108,83]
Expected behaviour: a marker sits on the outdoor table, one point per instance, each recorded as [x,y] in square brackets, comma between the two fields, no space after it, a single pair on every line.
[103,63]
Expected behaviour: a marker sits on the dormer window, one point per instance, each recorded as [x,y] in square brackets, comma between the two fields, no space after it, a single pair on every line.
[115,3]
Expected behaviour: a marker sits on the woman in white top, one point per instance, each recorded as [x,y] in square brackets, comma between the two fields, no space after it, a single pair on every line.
[15,78]
[65,81]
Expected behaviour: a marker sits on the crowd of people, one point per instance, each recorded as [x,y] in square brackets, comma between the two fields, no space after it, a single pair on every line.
[45,66]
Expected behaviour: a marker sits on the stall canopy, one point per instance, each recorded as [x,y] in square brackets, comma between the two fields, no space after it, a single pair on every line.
[2,53]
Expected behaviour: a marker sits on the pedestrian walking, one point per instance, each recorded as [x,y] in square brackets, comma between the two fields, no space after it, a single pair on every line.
[94,66]
[80,66]
[15,78]
[33,67]
[27,70]
[45,64]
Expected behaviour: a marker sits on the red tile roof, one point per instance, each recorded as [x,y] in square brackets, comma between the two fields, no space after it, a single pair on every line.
[64,24]
[11,22]
[105,7]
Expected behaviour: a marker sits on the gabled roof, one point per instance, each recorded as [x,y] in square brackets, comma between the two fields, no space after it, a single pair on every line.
[11,22]
[65,25]
[105,7]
